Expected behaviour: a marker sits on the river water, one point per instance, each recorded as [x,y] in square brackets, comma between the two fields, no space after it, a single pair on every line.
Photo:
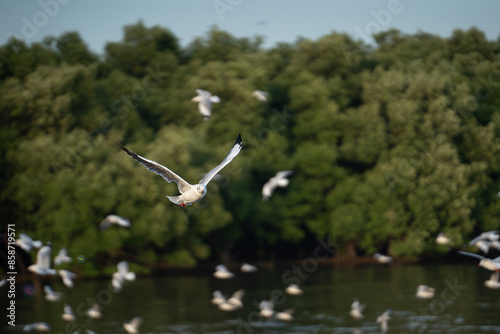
[181,303]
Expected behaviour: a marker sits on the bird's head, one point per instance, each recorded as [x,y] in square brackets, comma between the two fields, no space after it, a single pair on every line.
[201,189]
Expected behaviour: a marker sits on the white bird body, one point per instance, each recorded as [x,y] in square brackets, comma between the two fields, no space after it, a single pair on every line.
[62,257]
[425,292]
[26,242]
[94,311]
[493,281]
[266,308]
[113,220]
[123,274]
[236,298]
[442,239]
[490,264]
[293,289]
[260,95]
[68,314]
[218,297]
[356,310]
[132,327]
[484,240]
[205,100]
[286,315]
[222,272]
[39,326]
[67,277]
[43,258]
[189,193]
[383,319]
[382,258]
[279,180]
[248,268]
[51,295]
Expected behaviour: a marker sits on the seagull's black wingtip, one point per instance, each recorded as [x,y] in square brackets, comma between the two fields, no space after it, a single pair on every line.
[125,149]
[238,140]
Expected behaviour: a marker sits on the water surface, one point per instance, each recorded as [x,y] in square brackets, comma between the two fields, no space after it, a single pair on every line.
[181,304]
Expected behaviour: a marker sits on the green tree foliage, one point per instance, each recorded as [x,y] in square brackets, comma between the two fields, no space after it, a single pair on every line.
[389,145]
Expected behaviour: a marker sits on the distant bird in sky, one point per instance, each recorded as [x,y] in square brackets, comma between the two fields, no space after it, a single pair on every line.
[442,239]
[261,23]
[119,277]
[38,326]
[62,257]
[357,309]
[222,272]
[279,180]
[248,268]
[189,193]
[67,277]
[26,242]
[383,319]
[51,295]
[425,292]
[94,311]
[43,259]
[68,314]
[266,308]
[205,100]
[293,289]
[493,281]
[286,315]
[382,258]
[113,220]
[260,95]
[132,327]
[490,264]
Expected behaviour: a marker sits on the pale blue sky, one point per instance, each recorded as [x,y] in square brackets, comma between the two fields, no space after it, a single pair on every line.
[101,21]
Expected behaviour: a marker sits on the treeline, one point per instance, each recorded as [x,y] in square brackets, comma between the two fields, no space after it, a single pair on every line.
[389,145]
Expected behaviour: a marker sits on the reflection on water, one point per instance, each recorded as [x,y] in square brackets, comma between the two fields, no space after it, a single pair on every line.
[181,304]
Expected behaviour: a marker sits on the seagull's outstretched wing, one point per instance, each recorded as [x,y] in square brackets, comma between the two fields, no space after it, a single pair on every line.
[163,171]
[477,256]
[233,153]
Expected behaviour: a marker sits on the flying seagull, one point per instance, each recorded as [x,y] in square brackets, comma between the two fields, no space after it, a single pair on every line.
[62,257]
[493,282]
[67,277]
[42,265]
[119,277]
[490,264]
[189,193]
[279,180]
[132,327]
[356,309]
[68,314]
[218,297]
[26,242]
[113,219]
[95,311]
[260,95]
[382,319]
[51,295]
[205,100]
